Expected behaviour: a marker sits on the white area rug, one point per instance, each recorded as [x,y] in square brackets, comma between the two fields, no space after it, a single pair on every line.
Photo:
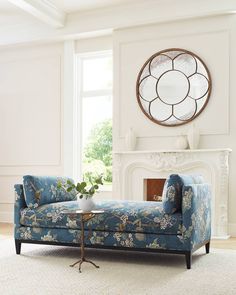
[44,270]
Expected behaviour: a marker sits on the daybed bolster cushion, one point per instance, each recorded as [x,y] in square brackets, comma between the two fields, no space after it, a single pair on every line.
[172,192]
[41,190]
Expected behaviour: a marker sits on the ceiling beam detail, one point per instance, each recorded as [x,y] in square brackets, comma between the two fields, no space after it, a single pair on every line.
[43,10]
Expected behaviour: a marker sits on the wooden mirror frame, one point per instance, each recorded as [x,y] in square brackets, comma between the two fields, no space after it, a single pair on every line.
[206,94]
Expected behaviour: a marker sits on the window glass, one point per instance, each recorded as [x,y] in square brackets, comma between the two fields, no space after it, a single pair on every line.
[97,117]
[97,73]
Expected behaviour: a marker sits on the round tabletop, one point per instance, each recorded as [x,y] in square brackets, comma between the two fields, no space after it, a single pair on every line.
[78,211]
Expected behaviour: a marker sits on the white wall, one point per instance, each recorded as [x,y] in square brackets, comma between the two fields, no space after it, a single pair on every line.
[31,121]
[30,117]
[214,40]
[37,101]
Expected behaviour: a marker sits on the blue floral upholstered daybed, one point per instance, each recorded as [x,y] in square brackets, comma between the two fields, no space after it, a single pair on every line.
[179,224]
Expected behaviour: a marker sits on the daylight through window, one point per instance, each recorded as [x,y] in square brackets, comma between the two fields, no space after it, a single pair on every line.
[96,102]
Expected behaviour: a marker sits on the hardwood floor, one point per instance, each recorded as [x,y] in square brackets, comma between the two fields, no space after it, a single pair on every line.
[6,231]
[224,244]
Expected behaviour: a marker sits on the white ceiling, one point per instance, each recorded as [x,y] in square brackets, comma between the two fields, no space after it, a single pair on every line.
[23,21]
[5,6]
[70,6]
[11,15]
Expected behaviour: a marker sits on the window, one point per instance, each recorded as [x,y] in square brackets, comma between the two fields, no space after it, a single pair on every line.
[95,101]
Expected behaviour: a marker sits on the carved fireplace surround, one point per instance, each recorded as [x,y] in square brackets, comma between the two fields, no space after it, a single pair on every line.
[131,168]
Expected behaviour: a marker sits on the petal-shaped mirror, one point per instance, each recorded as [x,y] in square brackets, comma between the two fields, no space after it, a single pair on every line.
[173,87]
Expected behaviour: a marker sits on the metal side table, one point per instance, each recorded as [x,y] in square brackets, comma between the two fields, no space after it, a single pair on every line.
[84,217]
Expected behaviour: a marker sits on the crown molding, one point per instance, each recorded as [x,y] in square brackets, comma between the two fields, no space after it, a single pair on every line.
[86,24]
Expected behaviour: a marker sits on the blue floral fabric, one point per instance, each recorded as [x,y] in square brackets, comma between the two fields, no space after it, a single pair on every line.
[41,190]
[122,216]
[196,211]
[19,204]
[124,223]
[192,178]
[102,238]
[172,192]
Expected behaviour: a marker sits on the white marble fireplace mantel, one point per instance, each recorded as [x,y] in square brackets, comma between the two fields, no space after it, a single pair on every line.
[131,168]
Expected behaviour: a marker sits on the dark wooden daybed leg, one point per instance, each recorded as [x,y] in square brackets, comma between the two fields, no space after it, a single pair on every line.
[188,258]
[18,246]
[207,246]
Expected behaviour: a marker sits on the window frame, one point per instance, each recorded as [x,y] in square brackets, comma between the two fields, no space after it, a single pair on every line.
[80,94]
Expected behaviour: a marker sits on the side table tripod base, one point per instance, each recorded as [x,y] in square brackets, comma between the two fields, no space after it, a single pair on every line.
[81,261]
[84,217]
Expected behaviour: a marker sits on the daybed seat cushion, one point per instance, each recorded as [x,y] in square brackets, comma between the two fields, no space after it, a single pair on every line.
[119,216]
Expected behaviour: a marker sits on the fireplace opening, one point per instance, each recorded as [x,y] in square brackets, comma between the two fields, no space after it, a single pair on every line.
[153,188]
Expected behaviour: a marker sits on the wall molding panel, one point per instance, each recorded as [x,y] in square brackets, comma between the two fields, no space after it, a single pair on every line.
[214,40]
[33,114]
[131,47]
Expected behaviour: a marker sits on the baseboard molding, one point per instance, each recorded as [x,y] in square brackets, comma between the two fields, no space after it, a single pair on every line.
[226,237]
[232,229]
[6,217]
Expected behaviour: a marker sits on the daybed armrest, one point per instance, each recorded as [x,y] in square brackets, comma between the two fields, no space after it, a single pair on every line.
[19,203]
[196,213]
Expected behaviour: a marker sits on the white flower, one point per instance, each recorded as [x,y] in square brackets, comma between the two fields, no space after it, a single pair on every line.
[53,190]
[96,239]
[157,219]
[171,193]
[117,236]
[124,218]
[165,222]
[56,215]
[133,212]
[187,200]
[35,205]
[71,223]
[154,245]
[26,235]
[48,237]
